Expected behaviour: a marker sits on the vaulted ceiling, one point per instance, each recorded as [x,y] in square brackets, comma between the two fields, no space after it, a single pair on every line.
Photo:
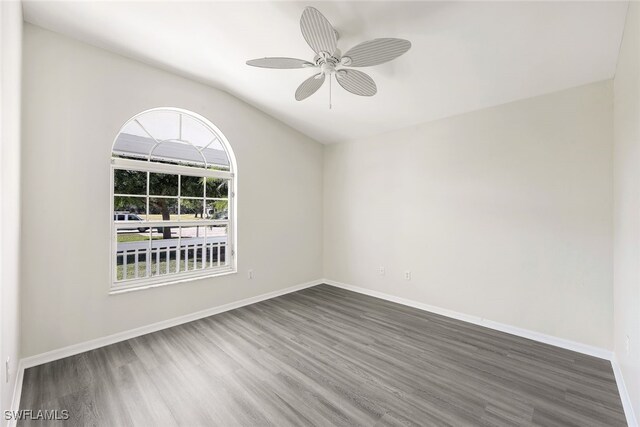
[465,55]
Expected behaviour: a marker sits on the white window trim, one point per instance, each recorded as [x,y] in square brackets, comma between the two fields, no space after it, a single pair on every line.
[116,287]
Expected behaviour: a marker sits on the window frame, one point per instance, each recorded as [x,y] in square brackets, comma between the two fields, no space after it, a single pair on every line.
[149,166]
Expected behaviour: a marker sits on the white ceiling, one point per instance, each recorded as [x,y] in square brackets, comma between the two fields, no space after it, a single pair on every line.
[465,56]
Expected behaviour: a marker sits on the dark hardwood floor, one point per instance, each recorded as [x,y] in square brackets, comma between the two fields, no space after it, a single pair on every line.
[326,356]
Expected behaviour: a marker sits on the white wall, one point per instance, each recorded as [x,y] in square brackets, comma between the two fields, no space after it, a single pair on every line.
[76,97]
[627,206]
[10,70]
[503,213]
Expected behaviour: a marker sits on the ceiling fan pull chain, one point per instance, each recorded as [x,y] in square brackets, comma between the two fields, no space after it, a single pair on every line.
[329,92]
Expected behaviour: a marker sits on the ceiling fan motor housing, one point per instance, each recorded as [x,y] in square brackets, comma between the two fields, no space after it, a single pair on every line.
[327,62]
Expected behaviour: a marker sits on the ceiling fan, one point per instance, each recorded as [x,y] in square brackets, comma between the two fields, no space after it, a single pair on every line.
[323,39]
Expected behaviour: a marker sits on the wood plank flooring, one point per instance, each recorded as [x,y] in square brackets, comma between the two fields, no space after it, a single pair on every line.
[326,356]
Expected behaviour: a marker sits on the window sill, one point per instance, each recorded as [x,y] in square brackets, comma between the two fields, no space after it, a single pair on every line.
[142,284]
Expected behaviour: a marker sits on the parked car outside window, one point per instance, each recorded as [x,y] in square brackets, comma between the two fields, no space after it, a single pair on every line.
[130,217]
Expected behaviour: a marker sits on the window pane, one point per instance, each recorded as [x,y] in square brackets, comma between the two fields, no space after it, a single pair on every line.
[191,186]
[162,125]
[191,209]
[217,209]
[164,252]
[162,184]
[129,182]
[196,133]
[177,152]
[217,242]
[132,250]
[133,142]
[123,205]
[217,188]
[163,209]
[192,240]
[216,158]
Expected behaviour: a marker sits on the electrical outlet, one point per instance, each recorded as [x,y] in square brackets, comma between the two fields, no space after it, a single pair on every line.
[381,271]
[407,275]
[6,369]
[627,344]
[250,274]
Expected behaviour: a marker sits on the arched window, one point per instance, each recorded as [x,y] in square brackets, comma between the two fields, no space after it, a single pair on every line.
[173,185]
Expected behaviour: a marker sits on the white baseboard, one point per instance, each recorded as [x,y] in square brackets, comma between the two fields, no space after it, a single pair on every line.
[632,421]
[71,350]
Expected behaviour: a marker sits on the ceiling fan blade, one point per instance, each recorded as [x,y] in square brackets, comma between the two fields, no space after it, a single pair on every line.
[280,63]
[376,51]
[309,86]
[317,31]
[356,82]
